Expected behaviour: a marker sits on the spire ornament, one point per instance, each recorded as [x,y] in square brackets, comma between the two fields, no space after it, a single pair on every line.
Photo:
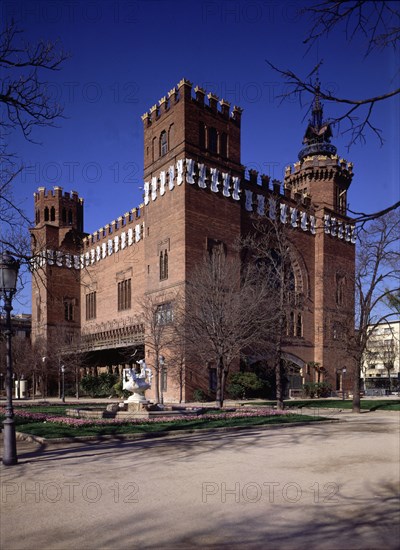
[318,133]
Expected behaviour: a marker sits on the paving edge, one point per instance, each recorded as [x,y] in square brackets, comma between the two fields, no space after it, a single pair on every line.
[156,435]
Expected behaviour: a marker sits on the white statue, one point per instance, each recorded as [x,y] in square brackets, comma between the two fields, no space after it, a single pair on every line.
[136,382]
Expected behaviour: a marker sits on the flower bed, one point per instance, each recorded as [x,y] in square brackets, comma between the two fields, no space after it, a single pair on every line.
[77,422]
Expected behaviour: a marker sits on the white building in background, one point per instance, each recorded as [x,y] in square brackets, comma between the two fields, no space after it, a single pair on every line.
[381,364]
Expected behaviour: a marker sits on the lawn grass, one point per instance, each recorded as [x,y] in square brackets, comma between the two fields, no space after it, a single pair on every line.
[366,404]
[51,430]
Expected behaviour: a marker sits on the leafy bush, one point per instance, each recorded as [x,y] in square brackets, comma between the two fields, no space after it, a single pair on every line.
[200,395]
[245,384]
[119,392]
[321,389]
[236,391]
[99,386]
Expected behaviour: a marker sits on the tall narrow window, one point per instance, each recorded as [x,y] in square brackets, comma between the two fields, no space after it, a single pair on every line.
[291,324]
[224,145]
[340,199]
[340,283]
[124,295]
[299,326]
[68,310]
[52,214]
[212,140]
[202,135]
[171,137]
[163,265]
[166,265]
[163,144]
[46,214]
[91,306]
[64,215]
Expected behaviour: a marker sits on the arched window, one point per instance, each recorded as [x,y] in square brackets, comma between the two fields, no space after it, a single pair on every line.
[64,215]
[46,214]
[70,217]
[52,214]
[163,144]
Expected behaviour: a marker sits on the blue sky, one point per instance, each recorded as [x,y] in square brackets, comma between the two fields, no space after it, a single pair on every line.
[127,54]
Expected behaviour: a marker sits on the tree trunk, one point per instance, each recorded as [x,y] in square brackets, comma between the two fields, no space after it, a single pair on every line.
[180,385]
[77,383]
[157,380]
[356,390]
[279,386]
[220,385]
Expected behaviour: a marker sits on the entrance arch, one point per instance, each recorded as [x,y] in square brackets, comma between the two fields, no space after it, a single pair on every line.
[295,374]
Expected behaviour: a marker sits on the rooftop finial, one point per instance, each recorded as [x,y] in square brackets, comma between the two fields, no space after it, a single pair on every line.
[318,134]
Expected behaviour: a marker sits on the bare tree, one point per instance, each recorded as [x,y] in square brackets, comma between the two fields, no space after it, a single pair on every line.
[224,313]
[388,354]
[22,358]
[392,301]
[178,364]
[158,317]
[379,23]
[27,104]
[377,278]
[273,251]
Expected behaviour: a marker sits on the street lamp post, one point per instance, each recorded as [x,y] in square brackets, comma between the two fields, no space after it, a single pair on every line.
[63,383]
[8,283]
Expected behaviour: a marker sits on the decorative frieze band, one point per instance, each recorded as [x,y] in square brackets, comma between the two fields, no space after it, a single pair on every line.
[208,177]
[192,172]
[92,256]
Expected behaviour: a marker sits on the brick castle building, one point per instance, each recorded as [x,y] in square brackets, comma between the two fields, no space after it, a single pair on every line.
[196,191]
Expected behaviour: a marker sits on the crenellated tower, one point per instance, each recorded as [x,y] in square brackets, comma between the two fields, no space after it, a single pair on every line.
[319,172]
[198,126]
[188,127]
[324,178]
[56,243]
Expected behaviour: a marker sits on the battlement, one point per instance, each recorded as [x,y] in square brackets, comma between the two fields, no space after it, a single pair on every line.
[57,192]
[320,161]
[58,208]
[116,227]
[184,91]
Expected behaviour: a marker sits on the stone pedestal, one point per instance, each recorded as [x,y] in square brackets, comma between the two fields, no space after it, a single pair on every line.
[137,407]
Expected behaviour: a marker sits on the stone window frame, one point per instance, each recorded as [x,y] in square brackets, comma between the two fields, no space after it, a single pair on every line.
[124,297]
[91,305]
[163,143]
[164,313]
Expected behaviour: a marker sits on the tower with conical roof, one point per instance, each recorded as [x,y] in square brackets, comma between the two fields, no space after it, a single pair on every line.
[324,178]
[319,172]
